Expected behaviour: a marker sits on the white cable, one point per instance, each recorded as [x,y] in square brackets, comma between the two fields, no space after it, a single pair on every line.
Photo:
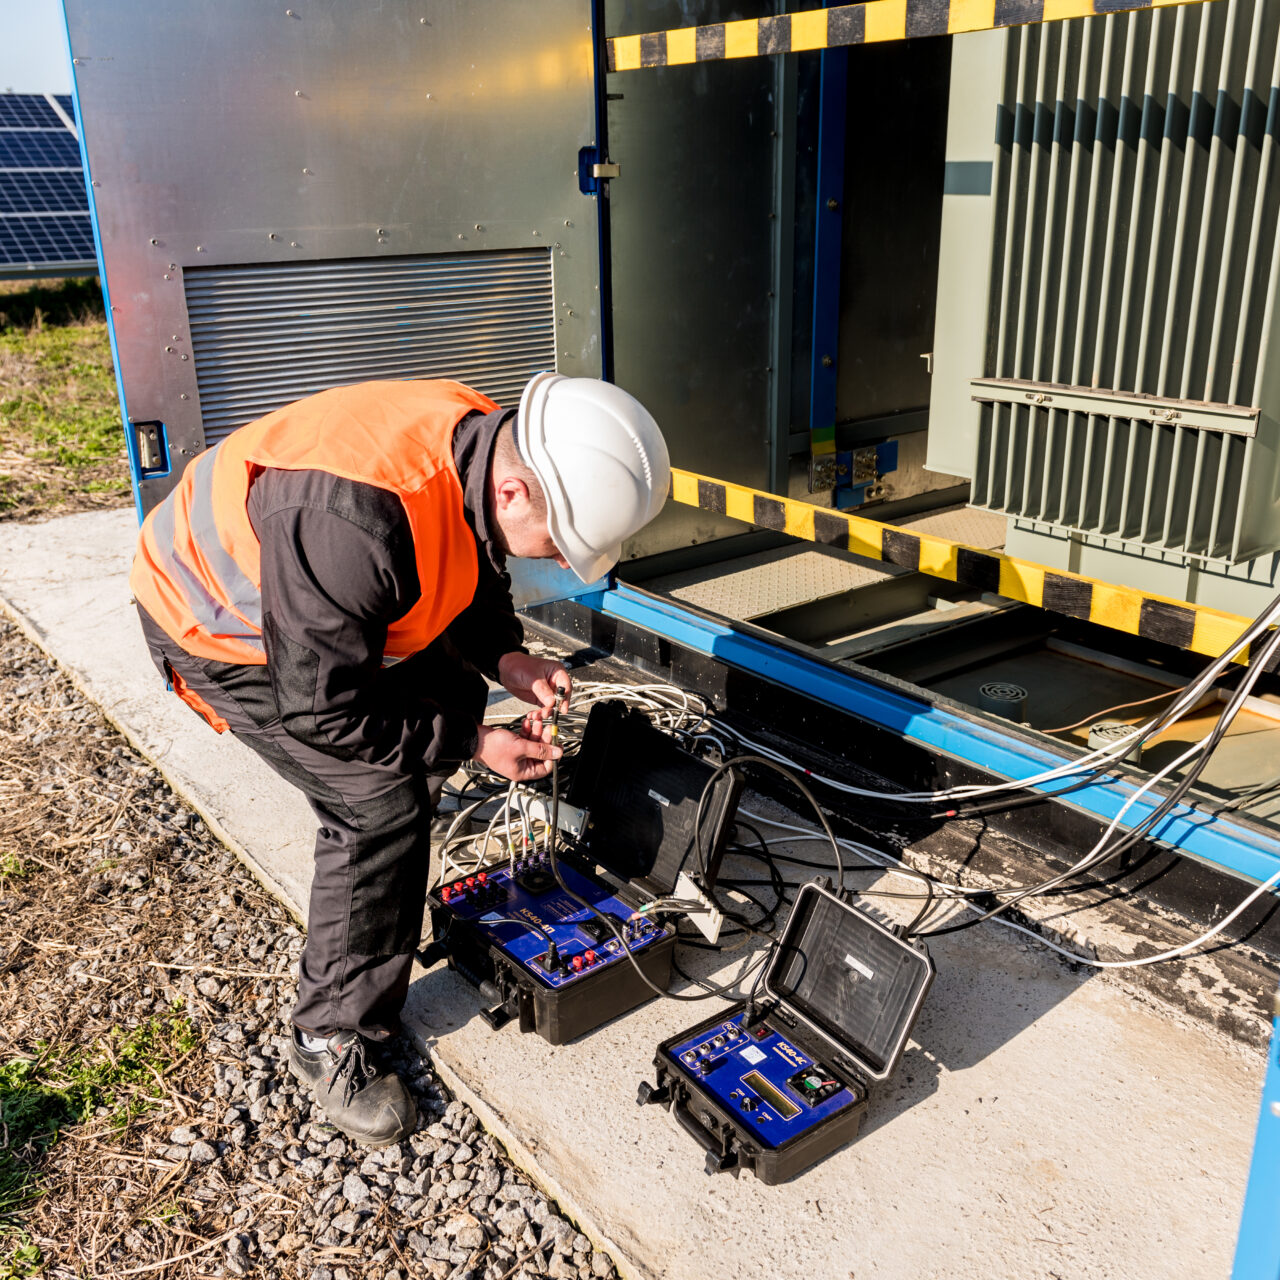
[1171,954]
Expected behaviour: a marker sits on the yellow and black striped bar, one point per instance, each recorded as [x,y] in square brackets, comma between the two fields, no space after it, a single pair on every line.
[1172,622]
[846,24]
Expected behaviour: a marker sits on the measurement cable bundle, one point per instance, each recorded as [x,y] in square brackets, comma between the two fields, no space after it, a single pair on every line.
[566,909]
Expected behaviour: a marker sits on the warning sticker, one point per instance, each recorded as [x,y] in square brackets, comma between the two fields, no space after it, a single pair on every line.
[753,1055]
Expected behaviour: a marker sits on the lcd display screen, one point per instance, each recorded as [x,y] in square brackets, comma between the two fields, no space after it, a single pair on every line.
[768,1093]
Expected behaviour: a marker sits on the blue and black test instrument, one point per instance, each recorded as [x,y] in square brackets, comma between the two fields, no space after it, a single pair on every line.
[776,1086]
[638,792]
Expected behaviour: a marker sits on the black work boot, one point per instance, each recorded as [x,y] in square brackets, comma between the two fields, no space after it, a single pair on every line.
[367,1101]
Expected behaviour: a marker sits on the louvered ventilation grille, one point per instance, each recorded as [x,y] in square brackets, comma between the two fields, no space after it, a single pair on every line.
[1137,194]
[265,335]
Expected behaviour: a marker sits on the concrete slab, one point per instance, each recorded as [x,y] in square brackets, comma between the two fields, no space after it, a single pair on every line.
[1042,1124]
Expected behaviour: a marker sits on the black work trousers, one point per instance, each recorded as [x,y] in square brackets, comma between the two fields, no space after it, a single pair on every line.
[372,853]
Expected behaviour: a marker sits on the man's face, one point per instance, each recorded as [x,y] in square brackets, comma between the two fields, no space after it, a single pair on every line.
[522,528]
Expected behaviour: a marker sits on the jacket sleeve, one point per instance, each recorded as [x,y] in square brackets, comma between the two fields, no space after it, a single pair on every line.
[338,568]
[488,627]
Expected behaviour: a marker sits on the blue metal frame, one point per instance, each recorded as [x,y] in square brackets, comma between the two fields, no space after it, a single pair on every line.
[130,443]
[1258,1245]
[1212,839]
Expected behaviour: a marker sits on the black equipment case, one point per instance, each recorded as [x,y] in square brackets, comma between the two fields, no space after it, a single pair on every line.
[637,792]
[776,1087]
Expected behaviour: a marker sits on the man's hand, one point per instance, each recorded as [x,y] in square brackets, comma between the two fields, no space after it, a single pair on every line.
[522,757]
[533,679]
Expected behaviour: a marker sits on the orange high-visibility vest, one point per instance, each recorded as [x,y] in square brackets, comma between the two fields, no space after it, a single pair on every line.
[197,570]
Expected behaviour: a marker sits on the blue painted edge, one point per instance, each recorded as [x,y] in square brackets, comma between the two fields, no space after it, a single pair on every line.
[130,444]
[1258,1244]
[1215,840]
[828,237]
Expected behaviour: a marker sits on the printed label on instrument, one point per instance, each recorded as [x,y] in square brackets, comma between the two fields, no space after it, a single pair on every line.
[753,1055]
[854,963]
[662,800]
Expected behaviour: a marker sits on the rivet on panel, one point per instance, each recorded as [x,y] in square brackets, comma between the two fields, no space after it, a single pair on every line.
[305,170]
[199,248]
[382,231]
[168,348]
[173,266]
[271,235]
[167,276]
[293,244]
[422,22]
[567,223]
[154,240]
[185,356]
[96,183]
[479,227]
[184,396]
[289,13]
[428,97]
[297,93]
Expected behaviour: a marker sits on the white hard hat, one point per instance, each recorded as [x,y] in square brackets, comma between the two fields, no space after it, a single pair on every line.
[601,461]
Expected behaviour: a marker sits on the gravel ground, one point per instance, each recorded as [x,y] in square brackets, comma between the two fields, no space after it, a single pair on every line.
[125,907]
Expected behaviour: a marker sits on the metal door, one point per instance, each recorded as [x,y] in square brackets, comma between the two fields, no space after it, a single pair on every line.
[288,199]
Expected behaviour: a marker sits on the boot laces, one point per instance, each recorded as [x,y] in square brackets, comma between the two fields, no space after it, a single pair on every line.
[355,1064]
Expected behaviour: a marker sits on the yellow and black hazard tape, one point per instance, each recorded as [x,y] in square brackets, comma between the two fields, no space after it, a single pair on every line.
[848,24]
[1138,613]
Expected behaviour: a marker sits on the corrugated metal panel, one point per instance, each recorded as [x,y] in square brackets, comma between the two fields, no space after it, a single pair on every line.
[268,334]
[1137,204]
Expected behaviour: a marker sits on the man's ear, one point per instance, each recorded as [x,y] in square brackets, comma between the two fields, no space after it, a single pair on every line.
[511,496]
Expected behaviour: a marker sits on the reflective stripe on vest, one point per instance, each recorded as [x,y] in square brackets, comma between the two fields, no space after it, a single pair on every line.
[242,594]
[208,612]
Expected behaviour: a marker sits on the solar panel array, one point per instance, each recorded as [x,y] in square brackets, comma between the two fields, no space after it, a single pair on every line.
[44,209]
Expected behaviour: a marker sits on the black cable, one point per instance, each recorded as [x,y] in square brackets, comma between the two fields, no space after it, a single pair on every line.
[595,911]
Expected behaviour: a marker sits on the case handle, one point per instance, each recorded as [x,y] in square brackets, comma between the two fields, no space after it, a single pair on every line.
[718,1159]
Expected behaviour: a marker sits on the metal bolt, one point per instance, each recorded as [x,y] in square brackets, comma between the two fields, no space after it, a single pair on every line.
[382,239]
[176,338]
[827,362]
[573,313]
[428,97]
[422,22]
[833,204]
[461,236]
[173,266]
[533,233]
[96,183]
[381,231]
[289,13]
[1038,398]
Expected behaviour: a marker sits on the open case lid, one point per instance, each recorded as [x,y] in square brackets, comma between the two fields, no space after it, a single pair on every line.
[641,790]
[849,978]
